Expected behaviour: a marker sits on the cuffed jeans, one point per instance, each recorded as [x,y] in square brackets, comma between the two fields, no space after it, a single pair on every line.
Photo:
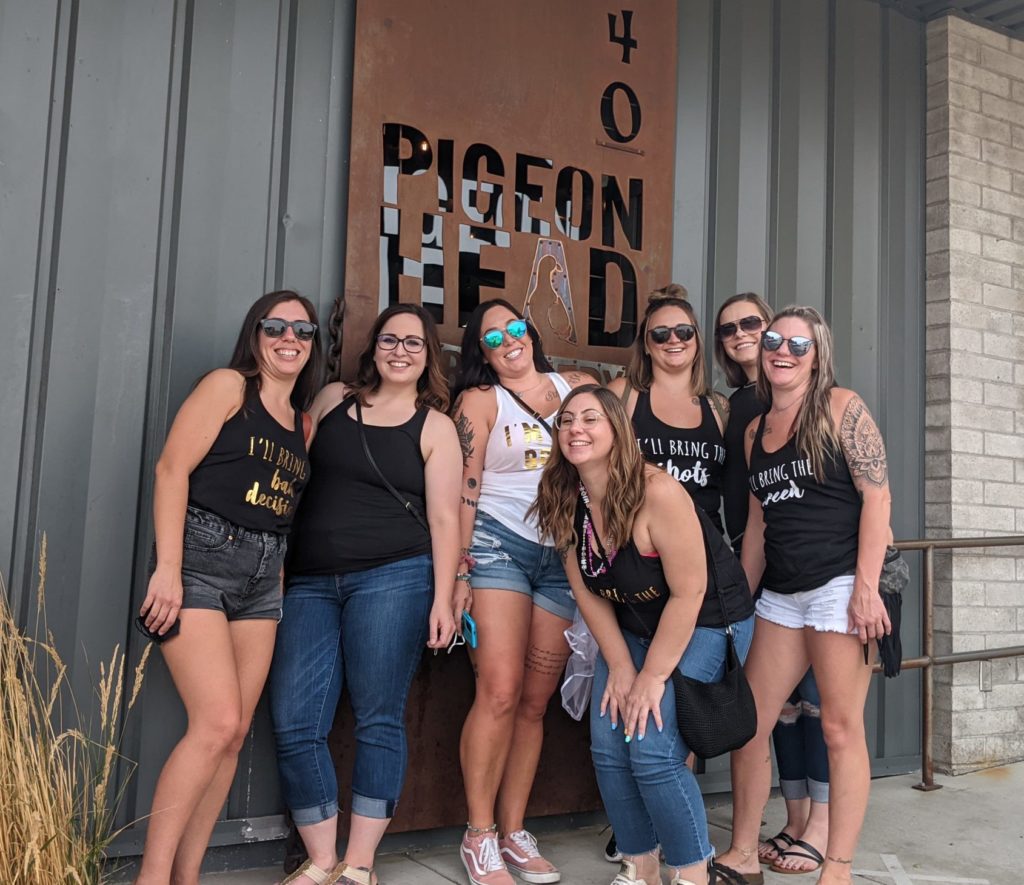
[365,630]
[800,746]
[648,792]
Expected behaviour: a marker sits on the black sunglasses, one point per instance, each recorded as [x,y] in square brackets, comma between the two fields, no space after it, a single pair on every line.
[273,327]
[411,343]
[747,324]
[661,334]
[798,344]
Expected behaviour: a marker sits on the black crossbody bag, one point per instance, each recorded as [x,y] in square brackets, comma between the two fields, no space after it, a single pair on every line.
[407,504]
[713,717]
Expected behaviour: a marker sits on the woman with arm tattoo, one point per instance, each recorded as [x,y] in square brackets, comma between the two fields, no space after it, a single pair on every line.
[515,584]
[636,560]
[817,532]
[799,744]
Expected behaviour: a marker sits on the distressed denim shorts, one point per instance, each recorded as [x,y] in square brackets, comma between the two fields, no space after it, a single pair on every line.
[230,569]
[506,560]
[825,608]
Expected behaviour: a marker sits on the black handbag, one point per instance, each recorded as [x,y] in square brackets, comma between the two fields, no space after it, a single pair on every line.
[891,583]
[713,717]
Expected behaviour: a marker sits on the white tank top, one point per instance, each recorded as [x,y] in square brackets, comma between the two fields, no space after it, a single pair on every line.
[517,450]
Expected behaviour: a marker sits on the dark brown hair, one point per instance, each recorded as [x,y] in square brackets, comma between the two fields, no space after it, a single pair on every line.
[639,372]
[734,374]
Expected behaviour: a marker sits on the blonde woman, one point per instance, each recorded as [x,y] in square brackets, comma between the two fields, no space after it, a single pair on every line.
[635,557]
[816,534]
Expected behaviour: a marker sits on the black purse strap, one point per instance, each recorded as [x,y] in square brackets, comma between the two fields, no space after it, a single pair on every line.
[533,413]
[408,505]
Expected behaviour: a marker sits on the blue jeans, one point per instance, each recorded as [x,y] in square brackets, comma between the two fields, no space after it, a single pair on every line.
[365,630]
[648,792]
[800,746]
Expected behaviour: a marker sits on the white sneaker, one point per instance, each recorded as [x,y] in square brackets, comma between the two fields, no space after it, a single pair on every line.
[627,875]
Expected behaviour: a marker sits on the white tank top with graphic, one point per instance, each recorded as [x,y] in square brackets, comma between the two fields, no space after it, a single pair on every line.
[517,450]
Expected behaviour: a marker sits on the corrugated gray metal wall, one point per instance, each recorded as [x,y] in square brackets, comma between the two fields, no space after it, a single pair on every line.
[162,163]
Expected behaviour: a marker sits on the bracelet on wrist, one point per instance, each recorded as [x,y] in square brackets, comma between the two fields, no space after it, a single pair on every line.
[463,577]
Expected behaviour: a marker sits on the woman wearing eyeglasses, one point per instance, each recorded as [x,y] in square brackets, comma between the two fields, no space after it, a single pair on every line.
[227,484]
[677,418]
[369,581]
[816,538]
[636,560]
[799,744]
[506,394]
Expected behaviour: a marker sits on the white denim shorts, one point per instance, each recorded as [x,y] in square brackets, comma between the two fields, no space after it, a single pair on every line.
[826,608]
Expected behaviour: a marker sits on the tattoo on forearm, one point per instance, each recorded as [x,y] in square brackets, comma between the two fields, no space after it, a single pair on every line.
[469,502]
[865,450]
[544,662]
[471,483]
[466,434]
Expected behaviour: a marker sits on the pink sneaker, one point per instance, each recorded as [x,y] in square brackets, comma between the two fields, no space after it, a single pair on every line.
[482,859]
[519,851]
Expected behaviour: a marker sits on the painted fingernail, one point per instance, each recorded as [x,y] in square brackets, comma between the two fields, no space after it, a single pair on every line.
[615,725]
[660,729]
[640,738]
[602,713]
[628,738]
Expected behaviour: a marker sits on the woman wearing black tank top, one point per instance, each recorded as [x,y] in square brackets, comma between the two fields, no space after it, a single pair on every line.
[368,585]
[636,559]
[677,418]
[227,484]
[799,744]
[817,532]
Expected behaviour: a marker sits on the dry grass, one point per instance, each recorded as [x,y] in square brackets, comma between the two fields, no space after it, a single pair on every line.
[58,801]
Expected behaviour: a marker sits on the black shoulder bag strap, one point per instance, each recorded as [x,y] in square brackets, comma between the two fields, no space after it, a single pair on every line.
[408,505]
[533,413]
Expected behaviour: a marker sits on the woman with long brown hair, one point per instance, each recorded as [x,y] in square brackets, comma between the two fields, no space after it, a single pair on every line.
[369,581]
[816,538]
[506,394]
[677,418]
[635,555]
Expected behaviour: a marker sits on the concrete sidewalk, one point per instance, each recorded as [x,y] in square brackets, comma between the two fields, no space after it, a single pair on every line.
[971,832]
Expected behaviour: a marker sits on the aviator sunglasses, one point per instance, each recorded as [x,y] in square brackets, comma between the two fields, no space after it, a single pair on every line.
[494,338]
[273,327]
[661,334]
[747,324]
[411,343]
[798,344]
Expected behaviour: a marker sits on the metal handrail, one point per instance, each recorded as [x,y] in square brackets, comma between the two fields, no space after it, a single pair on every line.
[928,660]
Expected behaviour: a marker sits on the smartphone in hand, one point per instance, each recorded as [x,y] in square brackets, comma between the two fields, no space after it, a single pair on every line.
[173,630]
[469,629]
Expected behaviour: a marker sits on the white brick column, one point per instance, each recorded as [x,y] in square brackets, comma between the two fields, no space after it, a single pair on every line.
[974,440]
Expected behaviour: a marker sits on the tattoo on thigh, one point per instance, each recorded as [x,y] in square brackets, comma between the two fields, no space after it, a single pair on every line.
[545,662]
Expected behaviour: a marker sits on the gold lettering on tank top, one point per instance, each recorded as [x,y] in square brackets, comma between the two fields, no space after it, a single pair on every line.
[289,469]
[536,454]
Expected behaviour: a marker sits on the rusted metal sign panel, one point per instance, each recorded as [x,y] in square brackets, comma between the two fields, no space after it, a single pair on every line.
[522,150]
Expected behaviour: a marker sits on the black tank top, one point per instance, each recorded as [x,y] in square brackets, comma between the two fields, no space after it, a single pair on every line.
[636,585]
[744,407]
[810,527]
[349,521]
[254,472]
[692,455]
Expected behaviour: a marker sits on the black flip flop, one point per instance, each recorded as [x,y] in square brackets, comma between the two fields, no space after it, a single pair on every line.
[719,872]
[786,840]
[804,851]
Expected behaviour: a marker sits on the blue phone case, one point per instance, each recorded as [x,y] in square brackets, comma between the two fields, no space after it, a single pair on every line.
[469,629]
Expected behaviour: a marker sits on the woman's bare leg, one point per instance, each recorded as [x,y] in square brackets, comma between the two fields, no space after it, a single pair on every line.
[253,645]
[776,663]
[546,654]
[843,681]
[503,626]
[202,663]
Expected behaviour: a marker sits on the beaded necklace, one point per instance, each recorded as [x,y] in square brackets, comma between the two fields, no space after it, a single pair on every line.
[591,565]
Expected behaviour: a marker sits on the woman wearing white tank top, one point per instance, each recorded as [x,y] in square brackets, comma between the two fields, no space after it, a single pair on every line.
[516,585]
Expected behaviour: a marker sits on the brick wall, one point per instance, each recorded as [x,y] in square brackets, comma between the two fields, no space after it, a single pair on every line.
[974,438]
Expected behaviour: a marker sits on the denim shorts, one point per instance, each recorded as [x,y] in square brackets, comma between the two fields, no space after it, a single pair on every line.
[230,569]
[824,608]
[508,561]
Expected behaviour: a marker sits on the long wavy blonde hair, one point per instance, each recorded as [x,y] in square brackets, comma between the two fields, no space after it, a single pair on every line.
[813,428]
[555,506]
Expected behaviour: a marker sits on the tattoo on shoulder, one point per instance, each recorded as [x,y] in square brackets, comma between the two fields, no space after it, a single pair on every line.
[466,434]
[865,450]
